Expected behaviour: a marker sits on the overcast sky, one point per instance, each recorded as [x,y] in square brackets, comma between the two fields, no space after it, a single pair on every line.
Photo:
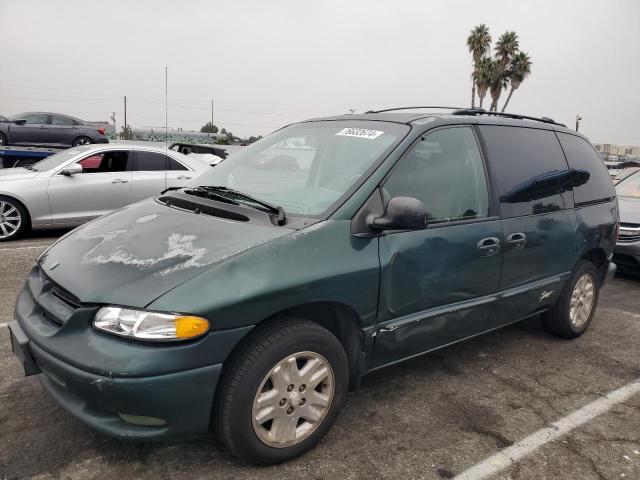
[269,63]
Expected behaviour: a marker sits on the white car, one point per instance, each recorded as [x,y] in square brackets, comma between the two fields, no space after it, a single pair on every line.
[81,183]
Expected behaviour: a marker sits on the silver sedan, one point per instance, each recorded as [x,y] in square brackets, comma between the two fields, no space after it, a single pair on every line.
[81,183]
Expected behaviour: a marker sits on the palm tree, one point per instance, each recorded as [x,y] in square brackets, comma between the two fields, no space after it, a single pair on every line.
[506,47]
[482,77]
[519,69]
[479,43]
[497,76]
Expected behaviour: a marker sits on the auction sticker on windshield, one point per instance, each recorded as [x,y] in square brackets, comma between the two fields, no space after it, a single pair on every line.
[360,132]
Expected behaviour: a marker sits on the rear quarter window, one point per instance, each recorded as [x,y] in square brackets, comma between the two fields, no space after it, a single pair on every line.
[582,156]
[527,166]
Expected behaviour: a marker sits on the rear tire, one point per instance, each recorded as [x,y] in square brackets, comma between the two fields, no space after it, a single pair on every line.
[576,306]
[273,405]
[82,141]
[14,219]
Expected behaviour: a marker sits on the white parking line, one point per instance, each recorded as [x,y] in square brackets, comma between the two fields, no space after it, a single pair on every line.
[4,324]
[24,248]
[624,312]
[511,455]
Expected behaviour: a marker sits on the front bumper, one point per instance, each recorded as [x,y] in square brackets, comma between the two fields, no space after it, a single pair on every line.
[99,378]
[181,402]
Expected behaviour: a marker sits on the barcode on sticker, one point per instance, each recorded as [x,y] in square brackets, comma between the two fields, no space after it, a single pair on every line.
[360,132]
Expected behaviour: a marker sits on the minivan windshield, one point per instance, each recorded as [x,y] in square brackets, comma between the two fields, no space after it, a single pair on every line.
[305,168]
[57,159]
[630,186]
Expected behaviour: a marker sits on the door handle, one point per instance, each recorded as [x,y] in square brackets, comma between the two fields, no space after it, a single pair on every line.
[489,246]
[119,180]
[516,241]
[183,177]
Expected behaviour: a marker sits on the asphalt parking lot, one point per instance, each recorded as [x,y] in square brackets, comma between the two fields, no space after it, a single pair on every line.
[434,417]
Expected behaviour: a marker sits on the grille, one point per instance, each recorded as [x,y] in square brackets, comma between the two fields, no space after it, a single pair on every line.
[629,232]
[54,304]
[204,209]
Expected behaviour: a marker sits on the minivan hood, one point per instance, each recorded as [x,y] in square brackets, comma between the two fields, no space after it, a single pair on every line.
[629,209]
[16,174]
[136,254]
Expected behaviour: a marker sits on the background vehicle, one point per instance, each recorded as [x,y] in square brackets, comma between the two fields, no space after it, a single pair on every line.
[627,252]
[43,128]
[188,148]
[81,183]
[210,154]
[398,233]
[622,174]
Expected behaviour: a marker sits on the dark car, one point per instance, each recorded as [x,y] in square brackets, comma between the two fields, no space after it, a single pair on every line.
[627,252]
[189,148]
[43,128]
[253,299]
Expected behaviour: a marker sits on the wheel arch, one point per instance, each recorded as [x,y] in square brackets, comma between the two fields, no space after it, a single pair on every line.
[338,318]
[598,257]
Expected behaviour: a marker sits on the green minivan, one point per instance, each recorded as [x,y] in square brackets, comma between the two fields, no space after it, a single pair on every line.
[251,301]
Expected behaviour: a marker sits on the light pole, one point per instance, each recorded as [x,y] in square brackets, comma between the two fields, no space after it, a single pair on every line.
[578,118]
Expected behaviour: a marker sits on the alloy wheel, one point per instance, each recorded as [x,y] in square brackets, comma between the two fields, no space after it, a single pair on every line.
[582,300]
[293,399]
[10,220]
[83,141]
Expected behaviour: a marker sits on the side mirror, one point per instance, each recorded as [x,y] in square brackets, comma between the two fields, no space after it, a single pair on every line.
[72,169]
[401,213]
[20,121]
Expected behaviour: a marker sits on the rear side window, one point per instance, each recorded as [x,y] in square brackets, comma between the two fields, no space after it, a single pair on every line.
[582,156]
[60,120]
[531,172]
[150,161]
[175,165]
[445,172]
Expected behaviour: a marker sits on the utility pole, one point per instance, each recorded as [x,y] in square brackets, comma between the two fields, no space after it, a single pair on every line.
[125,111]
[212,112]
[578,118]
[113,119]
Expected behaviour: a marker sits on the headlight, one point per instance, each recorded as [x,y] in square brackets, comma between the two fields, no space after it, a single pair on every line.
[152,326]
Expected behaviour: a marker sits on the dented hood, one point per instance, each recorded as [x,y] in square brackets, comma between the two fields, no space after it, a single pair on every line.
[136,254]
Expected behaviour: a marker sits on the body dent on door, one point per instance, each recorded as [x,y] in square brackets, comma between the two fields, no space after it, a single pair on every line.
[436,287]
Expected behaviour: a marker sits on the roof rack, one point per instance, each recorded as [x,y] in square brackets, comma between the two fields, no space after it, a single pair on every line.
[482,111]
[413,108]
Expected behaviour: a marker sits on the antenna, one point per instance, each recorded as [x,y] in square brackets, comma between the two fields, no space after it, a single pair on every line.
[166,109]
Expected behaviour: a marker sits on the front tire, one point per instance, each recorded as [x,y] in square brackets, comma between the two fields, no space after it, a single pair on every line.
[3,140]
[282,393]
[14,219]
[574,310]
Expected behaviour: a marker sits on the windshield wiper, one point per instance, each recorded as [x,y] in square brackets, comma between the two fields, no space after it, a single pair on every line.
[275,209]
[203,192]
